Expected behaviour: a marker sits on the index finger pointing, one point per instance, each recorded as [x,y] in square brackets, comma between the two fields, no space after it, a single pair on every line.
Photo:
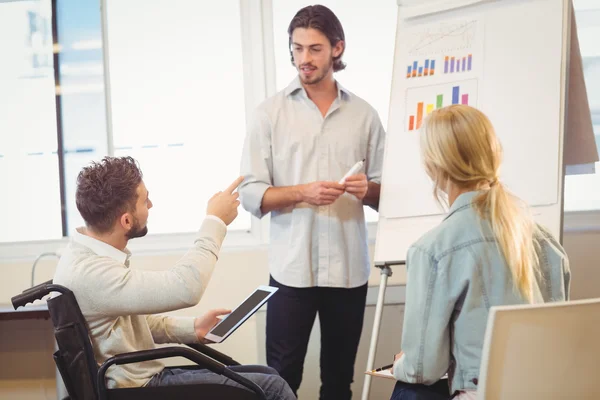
[234,185]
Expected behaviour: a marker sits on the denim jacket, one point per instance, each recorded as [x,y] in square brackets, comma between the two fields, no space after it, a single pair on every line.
[456,272]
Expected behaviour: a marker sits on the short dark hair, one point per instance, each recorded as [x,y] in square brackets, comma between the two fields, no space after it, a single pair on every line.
[106,190]
[323,19]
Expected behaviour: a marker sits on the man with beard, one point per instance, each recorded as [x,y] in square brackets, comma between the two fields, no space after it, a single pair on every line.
[303,141]
[119,303]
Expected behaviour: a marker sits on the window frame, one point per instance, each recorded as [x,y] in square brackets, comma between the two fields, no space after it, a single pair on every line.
[60,151]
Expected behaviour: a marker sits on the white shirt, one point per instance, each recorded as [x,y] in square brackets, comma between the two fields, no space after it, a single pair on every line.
[117,302]
[290,143]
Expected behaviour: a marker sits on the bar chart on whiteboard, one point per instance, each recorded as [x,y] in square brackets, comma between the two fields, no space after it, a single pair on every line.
[421,101]
[443,67]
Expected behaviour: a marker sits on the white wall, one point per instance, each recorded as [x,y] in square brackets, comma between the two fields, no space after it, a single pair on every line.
[26,366]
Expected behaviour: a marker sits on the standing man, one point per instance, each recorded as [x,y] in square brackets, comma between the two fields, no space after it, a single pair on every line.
[303,141]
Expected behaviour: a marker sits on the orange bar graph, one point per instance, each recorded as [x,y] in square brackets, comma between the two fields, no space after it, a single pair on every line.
[419,114]
[411,123]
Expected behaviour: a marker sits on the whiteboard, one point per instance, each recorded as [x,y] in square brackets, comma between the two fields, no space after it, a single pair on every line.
[507,58]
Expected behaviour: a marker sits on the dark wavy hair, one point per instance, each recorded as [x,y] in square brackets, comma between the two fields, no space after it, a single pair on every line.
[106,190]
[323,19]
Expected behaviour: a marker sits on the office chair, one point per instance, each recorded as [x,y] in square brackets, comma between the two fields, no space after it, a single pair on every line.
[84,380]
[541,351]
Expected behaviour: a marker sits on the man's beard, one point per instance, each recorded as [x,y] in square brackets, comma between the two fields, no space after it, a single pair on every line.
[318,78]
[136,231]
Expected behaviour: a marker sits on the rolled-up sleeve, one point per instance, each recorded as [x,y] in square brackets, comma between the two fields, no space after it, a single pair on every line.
[256,165]
[375,150]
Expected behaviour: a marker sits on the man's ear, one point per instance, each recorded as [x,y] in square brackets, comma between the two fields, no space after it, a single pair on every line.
[338,49]
[126,221]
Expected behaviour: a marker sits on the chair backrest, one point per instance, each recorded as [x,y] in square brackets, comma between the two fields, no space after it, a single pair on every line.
[542,351]
[75,356]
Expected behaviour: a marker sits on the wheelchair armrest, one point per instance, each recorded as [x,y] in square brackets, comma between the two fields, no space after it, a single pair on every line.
[214,354]
[173,351]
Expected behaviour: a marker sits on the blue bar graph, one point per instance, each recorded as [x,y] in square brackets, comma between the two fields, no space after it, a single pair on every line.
[455,93]
[420,69]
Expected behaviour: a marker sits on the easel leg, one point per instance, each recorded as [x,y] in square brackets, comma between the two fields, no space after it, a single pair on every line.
[385,273]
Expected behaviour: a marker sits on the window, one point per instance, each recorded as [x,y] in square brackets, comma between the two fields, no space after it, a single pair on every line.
[177,99]
[370,29]
[30,204]
[82,96]
[177,95]
[582,192]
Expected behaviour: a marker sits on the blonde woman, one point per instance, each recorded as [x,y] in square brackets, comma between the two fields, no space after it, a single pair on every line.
[488,251]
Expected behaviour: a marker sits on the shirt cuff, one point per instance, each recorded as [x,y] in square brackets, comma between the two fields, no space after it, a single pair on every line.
[251,196]
[398,370]
[183,329]
[215,218]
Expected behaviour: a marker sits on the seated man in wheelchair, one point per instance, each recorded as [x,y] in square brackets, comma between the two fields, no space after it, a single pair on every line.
[120,304]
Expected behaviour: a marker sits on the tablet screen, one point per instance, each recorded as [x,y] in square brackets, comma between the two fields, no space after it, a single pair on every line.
[243,310]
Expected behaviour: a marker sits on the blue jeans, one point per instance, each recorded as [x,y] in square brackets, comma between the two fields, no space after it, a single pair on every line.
[272,384]
[412,391]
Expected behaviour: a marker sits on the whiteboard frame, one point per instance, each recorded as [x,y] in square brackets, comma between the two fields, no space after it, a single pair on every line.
[556,210]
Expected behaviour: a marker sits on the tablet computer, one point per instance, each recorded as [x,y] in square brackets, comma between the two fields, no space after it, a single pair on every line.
[242,312]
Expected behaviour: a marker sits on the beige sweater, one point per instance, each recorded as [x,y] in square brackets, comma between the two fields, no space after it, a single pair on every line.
[117,301]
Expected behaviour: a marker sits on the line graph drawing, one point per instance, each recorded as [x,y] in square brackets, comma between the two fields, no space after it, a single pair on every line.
[442,38]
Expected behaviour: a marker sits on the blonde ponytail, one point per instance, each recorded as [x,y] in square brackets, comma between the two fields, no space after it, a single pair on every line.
[459,145]
[514,230]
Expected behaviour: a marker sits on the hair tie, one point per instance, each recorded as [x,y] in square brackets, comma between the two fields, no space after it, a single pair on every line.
[493,182]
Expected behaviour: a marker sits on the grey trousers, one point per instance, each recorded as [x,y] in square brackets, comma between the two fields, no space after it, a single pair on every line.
[274,386]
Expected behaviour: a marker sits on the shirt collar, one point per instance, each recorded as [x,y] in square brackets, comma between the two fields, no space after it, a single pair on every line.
[295,85]
[463,201]
[101,248]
